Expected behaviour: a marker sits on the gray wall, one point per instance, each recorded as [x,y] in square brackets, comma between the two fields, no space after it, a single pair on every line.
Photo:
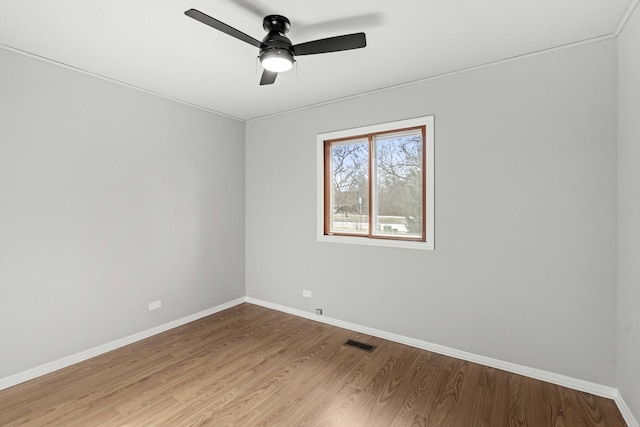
[526,247]
[629,214]
[109,198]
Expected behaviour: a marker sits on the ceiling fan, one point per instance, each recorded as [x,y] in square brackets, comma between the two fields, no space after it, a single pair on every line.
[277,53]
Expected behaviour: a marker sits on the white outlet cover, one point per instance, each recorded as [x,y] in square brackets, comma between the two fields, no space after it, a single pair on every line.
[306,294]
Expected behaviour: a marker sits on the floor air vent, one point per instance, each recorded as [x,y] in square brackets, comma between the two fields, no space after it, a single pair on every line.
[360,345]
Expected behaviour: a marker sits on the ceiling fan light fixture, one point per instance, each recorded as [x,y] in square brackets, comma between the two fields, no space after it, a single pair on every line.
[276,60]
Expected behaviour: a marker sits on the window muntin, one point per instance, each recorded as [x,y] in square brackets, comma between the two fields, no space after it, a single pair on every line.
[375,185]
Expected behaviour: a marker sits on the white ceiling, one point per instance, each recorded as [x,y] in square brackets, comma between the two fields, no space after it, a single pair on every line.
[152,45]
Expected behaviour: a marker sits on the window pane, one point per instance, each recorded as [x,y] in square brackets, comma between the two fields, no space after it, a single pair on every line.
[350,186]
[398,190]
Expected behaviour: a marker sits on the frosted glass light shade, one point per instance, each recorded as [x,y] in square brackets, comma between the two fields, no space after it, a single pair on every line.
[277,61]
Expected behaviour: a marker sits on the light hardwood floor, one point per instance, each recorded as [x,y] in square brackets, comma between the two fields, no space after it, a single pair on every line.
[251,366]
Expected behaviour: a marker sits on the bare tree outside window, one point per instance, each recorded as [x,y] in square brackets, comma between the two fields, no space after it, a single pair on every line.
[399,184]
[350,179]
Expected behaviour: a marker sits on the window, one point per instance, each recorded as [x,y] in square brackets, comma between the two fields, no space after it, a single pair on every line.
[375,185]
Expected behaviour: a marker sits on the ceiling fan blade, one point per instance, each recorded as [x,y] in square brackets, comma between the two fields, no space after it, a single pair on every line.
[268,77]
[221,26]
[331,44]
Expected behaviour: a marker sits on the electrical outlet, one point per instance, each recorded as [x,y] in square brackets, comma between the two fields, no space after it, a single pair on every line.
[319,311]
[306,294]
[155,305]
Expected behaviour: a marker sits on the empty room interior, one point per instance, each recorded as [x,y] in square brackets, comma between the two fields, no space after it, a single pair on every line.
[180,243]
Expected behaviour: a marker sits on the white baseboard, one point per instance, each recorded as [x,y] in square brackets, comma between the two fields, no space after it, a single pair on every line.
[539,374]
[104,348]
[625,411]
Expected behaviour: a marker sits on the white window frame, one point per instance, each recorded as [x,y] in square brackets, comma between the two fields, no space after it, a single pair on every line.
[428,122]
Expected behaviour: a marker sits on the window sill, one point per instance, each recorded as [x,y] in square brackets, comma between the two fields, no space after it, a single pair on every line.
[404,244]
